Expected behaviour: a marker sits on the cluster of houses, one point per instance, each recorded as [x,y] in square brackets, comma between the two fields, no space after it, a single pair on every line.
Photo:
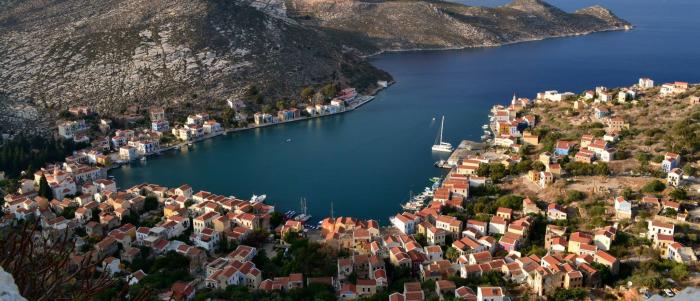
[660,232]
[474,244]
[132,145]
[128,144]
[507,126]
[346,98]
[197,127]
[101,210]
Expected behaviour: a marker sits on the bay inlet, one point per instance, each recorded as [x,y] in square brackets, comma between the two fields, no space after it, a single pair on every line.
[367,161]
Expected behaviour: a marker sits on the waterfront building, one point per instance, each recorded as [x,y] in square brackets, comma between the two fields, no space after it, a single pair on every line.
[211,127]
[405,222]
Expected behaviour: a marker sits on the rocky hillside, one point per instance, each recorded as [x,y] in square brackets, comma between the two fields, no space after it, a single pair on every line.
[404,25]
[110,54]
[194,54]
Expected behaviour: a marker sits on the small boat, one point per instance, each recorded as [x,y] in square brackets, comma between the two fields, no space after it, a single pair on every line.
[485,137]
[189,143]
[485,126]
[288,140]
[302,217]
[441,146]
[257,199]
[442,164]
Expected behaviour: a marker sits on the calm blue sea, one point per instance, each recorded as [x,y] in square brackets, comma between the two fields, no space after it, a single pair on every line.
[367,161]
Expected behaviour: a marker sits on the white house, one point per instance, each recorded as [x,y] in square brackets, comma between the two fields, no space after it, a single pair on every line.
[675,177]
[555,212]
[404,223]
[678,253]
[497,225]
[623,208]
[127,153]
[68,129]
[111,265]
[212,127]
[655,228]
[645,83]
[671,161]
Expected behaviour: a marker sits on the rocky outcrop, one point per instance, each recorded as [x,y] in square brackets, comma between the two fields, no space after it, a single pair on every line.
[193,54]
[407,25]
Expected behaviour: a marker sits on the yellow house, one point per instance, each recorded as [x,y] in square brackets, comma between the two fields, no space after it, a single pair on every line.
[503,128]
[221,224]
[170,210]
[533,176]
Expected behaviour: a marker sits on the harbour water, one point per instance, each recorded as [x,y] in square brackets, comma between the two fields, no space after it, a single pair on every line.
[366,161]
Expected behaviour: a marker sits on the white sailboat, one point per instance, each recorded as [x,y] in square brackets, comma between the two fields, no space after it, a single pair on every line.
[304,216]
[441,146]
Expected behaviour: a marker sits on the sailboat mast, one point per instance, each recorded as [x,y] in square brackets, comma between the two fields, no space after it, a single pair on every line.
[442,124]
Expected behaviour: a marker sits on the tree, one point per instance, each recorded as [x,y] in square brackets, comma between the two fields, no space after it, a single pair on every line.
[689,170]
[510,201]
[45,189]
[68,212]
[266,109]
[306,93]
[497,171]
[223,244]
[150,203]
[653,186]
[329,90]
[679,194]
[276,219]
[452,253]
[627,193]
[569,294]
[679,272]
[280,105]
[227,117]
[575,195]
[421,239]
[521,167]
[538,166]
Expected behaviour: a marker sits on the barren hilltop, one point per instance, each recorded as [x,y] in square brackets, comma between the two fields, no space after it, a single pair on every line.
[196,54]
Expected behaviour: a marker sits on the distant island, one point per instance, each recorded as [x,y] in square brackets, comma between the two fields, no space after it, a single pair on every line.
[190,56]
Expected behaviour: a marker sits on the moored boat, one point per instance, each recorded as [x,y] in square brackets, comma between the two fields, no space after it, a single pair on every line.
[442,146]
